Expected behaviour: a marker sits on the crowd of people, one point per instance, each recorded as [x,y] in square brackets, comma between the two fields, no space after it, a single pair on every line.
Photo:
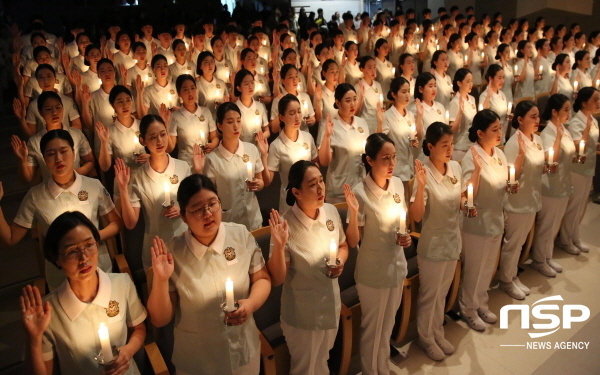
[431,122]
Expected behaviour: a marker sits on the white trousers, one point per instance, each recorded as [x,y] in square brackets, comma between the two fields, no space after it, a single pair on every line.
[250,368]
[569,229]
[309,349]
[516,229]
[435,279]
[378,307]
[547,224]
[479,263]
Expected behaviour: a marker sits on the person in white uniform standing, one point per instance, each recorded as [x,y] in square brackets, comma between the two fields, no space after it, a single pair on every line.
[484,169]
[524,152]
[371,94]
[254,112]
[439,66]
[192,274]
[310,303]
[556,187]
[436,200]
[462,111]
[375,208]
[494,98]
[88,297]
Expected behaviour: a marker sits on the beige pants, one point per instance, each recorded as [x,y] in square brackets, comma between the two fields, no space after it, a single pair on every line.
[435,279]
[547,224]
[378,307]
[309,349]
[569,229]
[480,254]
[516,229]
[250,368]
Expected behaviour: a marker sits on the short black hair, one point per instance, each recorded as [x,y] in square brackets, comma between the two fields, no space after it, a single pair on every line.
[63,224]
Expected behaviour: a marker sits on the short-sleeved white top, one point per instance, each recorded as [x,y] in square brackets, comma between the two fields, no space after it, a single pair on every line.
[210,93]
[544,84]
[565,87]
[327,102]
[224,69]
[78,63]
[584,78]
[254,118]
[398,127]
[166,52]
[353,73]
[306,108]
[132,74]
[385,74]
[228,172]
[91,80]
[498,103]
[525,88]
[455,62]
[100,107]
[461,138]
[62,86]
[175,70]
[577,125]
[122,143]
[444,89]
[72,334]
[558,185]
[509,78]
[155,95]
[186,127]
[373,95]
[261,85]
[126,60]
[70,113]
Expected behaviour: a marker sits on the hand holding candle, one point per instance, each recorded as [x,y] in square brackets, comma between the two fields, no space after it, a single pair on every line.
[510,105]
[167,190]
[249,171]
[511,179]
[402,227]
[581,147]
[229,299]
[551,155]
[107,354]
[470,195]
[202,138]
[332,253]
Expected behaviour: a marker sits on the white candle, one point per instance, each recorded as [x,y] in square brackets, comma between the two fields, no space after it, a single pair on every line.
[575,86]
[264,42]
[551,155]
[421,40]
[516,68]
[402,227]
[136,141]
[169,99]
[146,78]
[381,99]
[597,83]
[249,171]
[202,138]
[229,300]
[227,75]
[480,107]
[417,30]
[187,45]
[482,55]
[217,95]
[540,69]
[418,46]
[509,108]
[413,130]
[581,147]
[393,71]
[470,195]
[448,117]
[99,81]
[292,39]
[135,61]
[466,58]
[167,189]
[170,61]
[105,343]
[332,253]
[511,178]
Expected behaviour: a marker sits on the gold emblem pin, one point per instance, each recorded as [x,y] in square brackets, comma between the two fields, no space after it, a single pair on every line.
[188,68]
[454,180]
[201,118]
[113,309]
[137,134]
[257,113]
[57,82]
[330,225]
[473,105]
[539,146]
[149,75]
[360,130]
[305,146]
[229,254]
[439,112]
[397,198]
[82,195]
[245,158]
[172,92]
[174,179]
[499,161]
[218,86]
[376,91]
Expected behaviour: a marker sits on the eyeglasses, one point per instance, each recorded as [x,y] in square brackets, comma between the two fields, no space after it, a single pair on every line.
[74,253]
[212,208]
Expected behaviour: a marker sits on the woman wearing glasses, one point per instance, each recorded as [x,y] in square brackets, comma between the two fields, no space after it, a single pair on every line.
[88,298]
[190,277]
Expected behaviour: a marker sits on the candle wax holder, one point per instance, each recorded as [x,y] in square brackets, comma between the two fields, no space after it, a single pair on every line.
[330,268]
[100,357]
[579,159]
[512,188]
[168,206]
[400,235]
[247,181]
[471,212]
[552,167]
[226,310]
[414,142]
[136,154]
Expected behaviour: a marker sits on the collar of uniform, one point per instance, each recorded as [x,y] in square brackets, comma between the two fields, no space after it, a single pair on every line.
[397,114]
[206,83]
[130,54]
[242,106]
[377,191]
[102,93]
[583,117]
[155,176]
[288,142]
[427,107]
[122,128]
[168,49]
[159,88]
[327,92]
[484,156]
[140,71]
[550,125]
[528,142]
[73,306]
[344,124]
[44,130]
[228,155]
[179,66]
[199,249]
[436,174]
[439,76]
[366,85]
[56,190]
[307,221]
[187,114]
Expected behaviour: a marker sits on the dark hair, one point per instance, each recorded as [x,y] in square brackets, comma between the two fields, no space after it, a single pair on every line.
[37,34]
[488,36]
[521,46]
[119,35]
[453,38]
[176,43]
[239,77]
[137,45]
[103,61]
[554,41]
[555,102]
[181,79]
[539,44]
[362,62]
[434,133]
[201,57]
[156,59]
[482,121]
[583,96]
[44,66]
[115,91]
[44,96]
[326,66]
[148,120]
[81,35]
[285,69]
[245,52]
[579,55]
[596,57]
[560,58]
[403,58]
[436,57]
[349,44]
[374,144]
[340,91]
[223,109]
[422,80]
[395,85]
[567,37]
[286,53]
[63,224]
[470,37]
[39,49]
[590,39]
[459,76]
[192,185]
[295,178]
[89,48]
[214,40]
[492,71]
[380,42]
[521,110]
[56,134]
[283,104]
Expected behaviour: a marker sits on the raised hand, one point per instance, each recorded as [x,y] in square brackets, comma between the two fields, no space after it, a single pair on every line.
[419,107]
[19,109]
[76,77]
[123,72]
[122,174]
[102,132]
[109,54]
[262,143]
[19,147]
[139,85]
[477,162]
[380,113]
[420,173]
[350,199]
[86,96]
[279,229]
[103,44]
[162,261]
[318,93]
[36,313]
[165,114]
[522,147]
[154,49]
[328,126]
[560,131]
[198,159]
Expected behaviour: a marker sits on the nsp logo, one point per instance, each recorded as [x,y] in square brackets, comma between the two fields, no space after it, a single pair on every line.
[537,312]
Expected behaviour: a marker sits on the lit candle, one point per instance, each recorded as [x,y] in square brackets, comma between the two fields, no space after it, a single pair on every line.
[402,227]
[146,78]
[509,108]
[99,81]
[418,46]
[581,147]
[417,30]
[480,107]
[597,83]
[575,86]
[466,58]
[516,68]
[298,87]
[264,42]
[202,138]
[292,39]
[217,95]
[448,117]
[511,178]
[540,69]
[332,253]
[136,141]
[249,171]
[167,189]
[135,61]
[105,343]
[393,71]
[551,155]
[482,55]
[169,99]
[170,61]
[413,130]
[227,75]
[229,300]
[381,99]
[187,45]
[421,40]
[470,195]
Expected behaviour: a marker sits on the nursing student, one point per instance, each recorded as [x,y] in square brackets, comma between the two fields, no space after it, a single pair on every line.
[342,143]
[141,69]
[159,93]
[439,66]
[385,70]
[523,151]
[433,111]
[561,83]
[485,169]
[371,94]
[352,68]
[291,145]
[462,110]
[310,302]
[556,187]
[190,276]
[406,68]
[324,98]
[374,207]
[191,124]
[212,91]
[437,201]
[65,190]
[91,58]
[494,98]
[254,112]
[289,76]
[151,188]
[181,65]
[88,297]
[583,127]
[581,66]
[505,59]
[525,74]
[248,61]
